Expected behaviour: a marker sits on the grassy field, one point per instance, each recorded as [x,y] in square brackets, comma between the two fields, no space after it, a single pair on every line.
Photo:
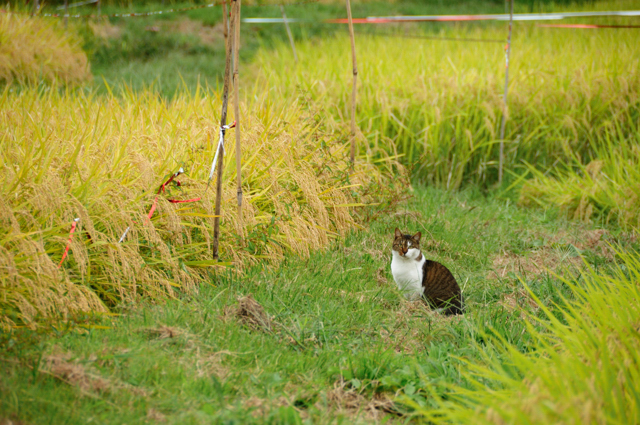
[301,322]
[337,343]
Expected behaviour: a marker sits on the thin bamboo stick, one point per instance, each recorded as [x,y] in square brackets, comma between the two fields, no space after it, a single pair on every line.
[236,104]
[286,25]
[355,81]
[225,24]
[506,91]
[223,122]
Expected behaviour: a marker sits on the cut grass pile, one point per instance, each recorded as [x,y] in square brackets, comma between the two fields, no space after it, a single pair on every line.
[326,339]
[34,50]
[102,159]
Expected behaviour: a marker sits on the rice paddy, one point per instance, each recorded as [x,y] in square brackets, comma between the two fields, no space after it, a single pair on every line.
[299,321]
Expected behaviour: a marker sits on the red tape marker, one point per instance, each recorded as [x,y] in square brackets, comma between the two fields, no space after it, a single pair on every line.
[66,250]
[178,201]
[586,26]
[163,187]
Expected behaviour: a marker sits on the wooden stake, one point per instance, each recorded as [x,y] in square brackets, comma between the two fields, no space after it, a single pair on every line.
[236,103]
[355,80]
[506,90]
[225,24]
[223,122]
[286,25]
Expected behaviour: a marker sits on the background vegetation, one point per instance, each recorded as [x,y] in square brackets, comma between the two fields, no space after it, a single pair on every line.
[38,50]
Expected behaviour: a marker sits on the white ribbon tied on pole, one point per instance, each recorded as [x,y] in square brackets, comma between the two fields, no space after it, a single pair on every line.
[220,145]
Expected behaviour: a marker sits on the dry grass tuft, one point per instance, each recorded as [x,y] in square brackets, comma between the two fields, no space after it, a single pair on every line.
[34,49]
[11,421]
[164,332]
[260,407]
[252,314]
[352,403]
[537,263]
[381,276]
[155,416]
[75,374]
[519,301]
[562,251]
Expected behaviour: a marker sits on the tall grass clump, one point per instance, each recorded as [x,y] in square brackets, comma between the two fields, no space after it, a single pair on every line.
[584,367]
[72,155]
[34,49]
[607,188]
[439,103]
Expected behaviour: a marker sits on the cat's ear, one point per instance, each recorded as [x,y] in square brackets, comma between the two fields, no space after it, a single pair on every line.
[417,236]
[398,233]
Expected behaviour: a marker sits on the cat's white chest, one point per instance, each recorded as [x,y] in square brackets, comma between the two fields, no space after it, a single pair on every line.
[407,272]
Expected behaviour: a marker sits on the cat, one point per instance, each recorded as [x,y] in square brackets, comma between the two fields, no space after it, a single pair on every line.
[418,277]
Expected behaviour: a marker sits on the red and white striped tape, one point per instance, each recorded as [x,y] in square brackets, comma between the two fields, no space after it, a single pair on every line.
[585,26]
[502,17]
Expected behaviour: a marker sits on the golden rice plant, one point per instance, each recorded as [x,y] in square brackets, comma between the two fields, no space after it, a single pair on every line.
[605,189]
[583,367]
[439,103]
[34,49]
[71,154]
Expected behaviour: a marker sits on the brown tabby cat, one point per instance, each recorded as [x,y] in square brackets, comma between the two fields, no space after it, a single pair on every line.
[418,277]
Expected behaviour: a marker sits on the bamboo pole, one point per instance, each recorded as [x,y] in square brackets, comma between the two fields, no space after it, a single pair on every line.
[223,122]
[286,25]
[506,90]
[355,81]
[225,24]
[236,104]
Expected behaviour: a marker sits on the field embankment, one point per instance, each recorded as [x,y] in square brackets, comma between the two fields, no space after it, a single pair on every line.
[71,155]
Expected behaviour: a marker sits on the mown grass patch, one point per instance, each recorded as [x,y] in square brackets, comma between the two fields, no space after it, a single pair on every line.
[342,345]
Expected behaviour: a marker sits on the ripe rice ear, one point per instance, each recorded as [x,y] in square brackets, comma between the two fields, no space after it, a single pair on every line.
[72,154]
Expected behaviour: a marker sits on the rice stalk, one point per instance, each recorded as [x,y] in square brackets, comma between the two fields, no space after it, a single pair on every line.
[70,154]
[34,49]
[583,366]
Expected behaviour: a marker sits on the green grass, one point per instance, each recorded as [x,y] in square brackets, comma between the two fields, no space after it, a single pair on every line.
[343,335]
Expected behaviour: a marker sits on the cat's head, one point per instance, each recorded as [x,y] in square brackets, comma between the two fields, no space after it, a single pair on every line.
[406,245]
